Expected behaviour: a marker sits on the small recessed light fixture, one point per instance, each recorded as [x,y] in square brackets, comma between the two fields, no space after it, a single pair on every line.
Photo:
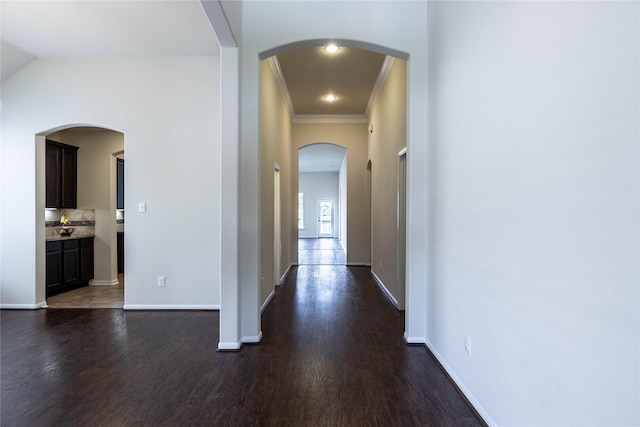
[330,98]
[331,48]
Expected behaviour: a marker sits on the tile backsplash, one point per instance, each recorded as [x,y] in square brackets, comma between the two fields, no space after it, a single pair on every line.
[83,220]
[120,216]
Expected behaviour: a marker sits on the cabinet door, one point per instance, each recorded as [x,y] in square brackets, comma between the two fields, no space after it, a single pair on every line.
[120,249]
[54,272]
[120,183]
[61,171]
[71,262]
[86,260]
[69,178]
[53,176]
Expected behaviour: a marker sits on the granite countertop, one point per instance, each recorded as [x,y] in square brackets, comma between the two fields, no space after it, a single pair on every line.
[71,237]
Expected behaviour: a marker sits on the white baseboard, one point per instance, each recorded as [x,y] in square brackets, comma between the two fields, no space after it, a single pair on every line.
[472,400]
[252,339]
[24,306]
[229,346]
[103,282]
[413,340]
[384,289]
[358,264]
[235,346]
[267,301]
[170,307]
[286,273]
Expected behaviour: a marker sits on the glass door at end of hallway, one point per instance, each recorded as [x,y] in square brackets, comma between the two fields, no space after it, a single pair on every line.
[325,217]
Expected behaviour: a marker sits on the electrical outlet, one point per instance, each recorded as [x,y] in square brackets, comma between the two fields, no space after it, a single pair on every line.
[467,345]
[161,281]
[380,263]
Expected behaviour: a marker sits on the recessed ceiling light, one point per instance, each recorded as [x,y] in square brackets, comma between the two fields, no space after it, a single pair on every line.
[331,48]
[330,98]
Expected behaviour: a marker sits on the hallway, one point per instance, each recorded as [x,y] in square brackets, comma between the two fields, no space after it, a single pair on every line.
[332,355]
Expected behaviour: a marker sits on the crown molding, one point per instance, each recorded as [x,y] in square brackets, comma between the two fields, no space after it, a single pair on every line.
[329,118]
[382,77]
[282,85]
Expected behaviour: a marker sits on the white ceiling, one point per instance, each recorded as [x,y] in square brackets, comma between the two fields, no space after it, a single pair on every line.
[75,29]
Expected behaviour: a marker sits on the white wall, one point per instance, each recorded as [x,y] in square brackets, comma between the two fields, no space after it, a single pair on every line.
[534,121]
[168,110]
[316,185]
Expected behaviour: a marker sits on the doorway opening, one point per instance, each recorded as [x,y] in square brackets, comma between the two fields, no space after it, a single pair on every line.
[81,265]
[322,205]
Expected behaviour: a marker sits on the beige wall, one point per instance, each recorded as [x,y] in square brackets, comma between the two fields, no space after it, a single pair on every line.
[275,143]
[353,137]
[389,136]
[96,190]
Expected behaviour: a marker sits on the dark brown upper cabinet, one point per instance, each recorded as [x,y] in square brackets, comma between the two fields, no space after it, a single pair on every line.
[119,183]
[61,175]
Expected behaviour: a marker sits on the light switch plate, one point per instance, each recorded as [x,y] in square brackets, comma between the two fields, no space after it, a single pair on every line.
[142,207]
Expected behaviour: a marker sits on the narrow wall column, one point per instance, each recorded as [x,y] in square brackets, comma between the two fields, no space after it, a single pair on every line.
[229,163]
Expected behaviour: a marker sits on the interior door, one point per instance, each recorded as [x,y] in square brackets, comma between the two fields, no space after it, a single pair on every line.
[325,217]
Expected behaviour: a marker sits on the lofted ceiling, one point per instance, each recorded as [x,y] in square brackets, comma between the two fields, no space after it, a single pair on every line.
[79,29]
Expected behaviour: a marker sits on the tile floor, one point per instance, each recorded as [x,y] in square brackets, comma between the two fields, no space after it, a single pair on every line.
[327,251]
[90,297]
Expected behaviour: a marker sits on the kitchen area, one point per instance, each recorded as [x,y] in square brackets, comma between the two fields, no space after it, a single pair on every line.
[84,218]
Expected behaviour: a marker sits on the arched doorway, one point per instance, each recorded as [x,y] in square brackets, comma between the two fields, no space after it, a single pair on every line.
[94,220]
[294,114]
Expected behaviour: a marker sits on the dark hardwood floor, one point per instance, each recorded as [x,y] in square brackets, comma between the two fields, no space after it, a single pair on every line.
[332,355]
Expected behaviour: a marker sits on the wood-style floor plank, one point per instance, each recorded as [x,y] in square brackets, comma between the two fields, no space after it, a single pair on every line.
[332,355]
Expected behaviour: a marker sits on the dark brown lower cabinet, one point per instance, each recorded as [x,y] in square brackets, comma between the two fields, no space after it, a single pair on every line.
[54,268]
[120,252]
[86,260]
[69,264]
